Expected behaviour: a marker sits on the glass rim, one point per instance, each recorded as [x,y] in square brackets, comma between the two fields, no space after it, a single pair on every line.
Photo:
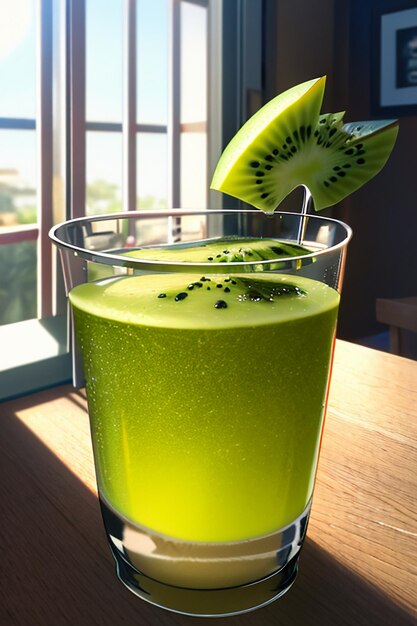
[119,260]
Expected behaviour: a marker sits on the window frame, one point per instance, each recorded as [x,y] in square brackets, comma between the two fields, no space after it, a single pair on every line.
[61,128]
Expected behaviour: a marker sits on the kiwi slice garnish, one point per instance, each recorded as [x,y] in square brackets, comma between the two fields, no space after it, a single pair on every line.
[223,250]
[287,143]
[232,290]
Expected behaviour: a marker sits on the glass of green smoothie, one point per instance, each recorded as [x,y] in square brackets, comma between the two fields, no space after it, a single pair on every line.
[206,341]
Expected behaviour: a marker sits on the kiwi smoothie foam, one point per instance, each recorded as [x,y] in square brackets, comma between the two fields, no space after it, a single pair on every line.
[205,422]
[206,393]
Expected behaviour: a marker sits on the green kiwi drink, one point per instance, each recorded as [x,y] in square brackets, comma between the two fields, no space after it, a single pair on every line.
[207,392]
[206,397]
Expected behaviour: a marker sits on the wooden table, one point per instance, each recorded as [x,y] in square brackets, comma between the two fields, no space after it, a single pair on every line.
[358,566]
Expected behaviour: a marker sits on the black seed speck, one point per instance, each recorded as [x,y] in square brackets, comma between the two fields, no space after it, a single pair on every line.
[328,144]
[255,296]
[326,184]
[323,121]
[234,282]
[302,133]
[293,149]
[360,161]
[259,182]
[360,152]
[219,286]
[210,258]
[288,140]
[226,251]
[190,287]
[295,135]
[208,288]
[332,132]
[359,146]
[260,174]
[264,195]
[220,304]
[205,279]
[347,166]
[284,147]
[227,289]
[336,168]
[319,141]
[333,179]
[180,296]
[316,133]
[275,151]
[162,295]
[350,151]
[218,256]
[198,284]
[308,131]
[269,158]
[268,167]
[341,174]
[254,163]
[227,280]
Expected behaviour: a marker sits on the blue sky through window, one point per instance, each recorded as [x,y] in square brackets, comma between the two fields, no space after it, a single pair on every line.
[104,85]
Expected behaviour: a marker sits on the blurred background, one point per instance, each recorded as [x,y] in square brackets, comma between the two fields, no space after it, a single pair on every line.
[127,104]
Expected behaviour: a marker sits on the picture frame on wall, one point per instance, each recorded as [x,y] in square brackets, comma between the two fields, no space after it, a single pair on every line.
[394,67]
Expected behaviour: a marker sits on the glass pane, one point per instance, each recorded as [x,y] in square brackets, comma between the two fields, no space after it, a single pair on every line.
[152,58]
[152,171]
[103,173]
[104,58]
[193,63]
[194,171]
[17,177]
[17,282]
[17,59]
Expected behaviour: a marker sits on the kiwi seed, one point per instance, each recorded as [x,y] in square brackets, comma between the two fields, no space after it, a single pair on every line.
[220,304]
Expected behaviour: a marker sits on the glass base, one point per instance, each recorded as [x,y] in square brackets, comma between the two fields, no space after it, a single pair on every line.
[204,579]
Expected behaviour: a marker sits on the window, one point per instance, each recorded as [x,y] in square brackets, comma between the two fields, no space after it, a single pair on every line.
[106,106]
[18,162]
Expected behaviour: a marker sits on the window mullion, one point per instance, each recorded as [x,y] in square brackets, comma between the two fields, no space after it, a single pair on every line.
[174,99]
[76,108]
[44,128]
[174,109]
[129,106]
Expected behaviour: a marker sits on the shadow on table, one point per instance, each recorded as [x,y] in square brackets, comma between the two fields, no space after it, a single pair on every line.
[56,567]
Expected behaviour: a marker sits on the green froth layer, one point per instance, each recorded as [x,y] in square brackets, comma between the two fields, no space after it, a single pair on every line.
[206,422]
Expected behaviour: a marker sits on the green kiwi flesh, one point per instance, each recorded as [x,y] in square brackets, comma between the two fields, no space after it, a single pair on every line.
[230,290]
[287,143]
[222,250]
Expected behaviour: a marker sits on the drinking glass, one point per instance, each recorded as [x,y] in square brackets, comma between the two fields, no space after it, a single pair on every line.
[206,434]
